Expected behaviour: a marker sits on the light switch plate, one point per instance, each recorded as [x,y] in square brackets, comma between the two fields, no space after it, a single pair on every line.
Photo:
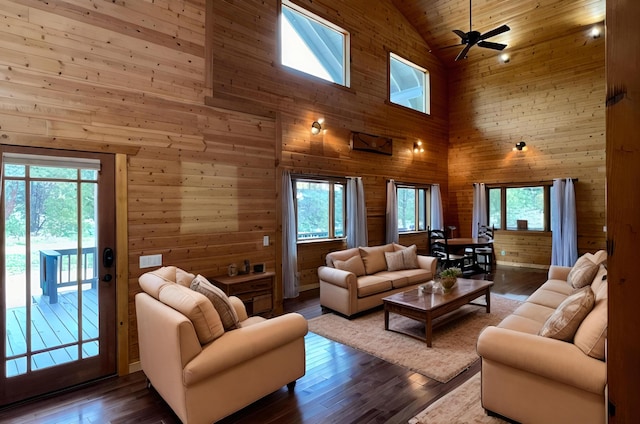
[149,261]
[265,241]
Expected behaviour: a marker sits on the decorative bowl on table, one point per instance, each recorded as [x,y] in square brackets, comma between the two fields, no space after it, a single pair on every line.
[448,278]
[448,283]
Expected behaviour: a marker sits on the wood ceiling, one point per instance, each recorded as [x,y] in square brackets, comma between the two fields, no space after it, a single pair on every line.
[531,22]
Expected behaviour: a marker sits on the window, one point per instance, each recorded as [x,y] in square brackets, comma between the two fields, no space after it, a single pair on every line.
[510,205]
[413,204]
[320,209]
[313,45]
[408,84]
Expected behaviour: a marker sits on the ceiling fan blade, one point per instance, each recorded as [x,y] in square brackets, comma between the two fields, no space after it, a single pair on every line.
[463,53]
[490,45]
[460,34]
[493,32]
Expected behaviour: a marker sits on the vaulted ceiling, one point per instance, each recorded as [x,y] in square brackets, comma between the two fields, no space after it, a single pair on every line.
[531,22]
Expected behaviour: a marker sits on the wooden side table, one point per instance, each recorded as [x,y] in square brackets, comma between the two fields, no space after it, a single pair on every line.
[254,289]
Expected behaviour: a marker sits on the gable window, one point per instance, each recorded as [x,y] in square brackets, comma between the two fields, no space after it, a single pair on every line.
[320,208]
[313,45]
[408,84]
[412,208]
[520,207]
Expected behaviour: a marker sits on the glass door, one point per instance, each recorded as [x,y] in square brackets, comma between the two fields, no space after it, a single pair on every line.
[58,270]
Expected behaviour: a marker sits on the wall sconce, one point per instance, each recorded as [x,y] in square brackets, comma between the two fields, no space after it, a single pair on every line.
[316,127]
[417,147]
[505,58]
[595,32]
[521,145]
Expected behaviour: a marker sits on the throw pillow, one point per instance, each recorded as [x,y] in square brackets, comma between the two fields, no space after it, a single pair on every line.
[410,257]
[353,264]
[196,307]
[373,258]
[582,272]
[395,261]
[219,300]
[566,319]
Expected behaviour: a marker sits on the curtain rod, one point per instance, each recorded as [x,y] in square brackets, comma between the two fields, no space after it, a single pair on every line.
[411,184]
[575,180]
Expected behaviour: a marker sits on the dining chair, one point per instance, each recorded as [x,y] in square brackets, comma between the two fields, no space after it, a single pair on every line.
[439,247]
[485,256]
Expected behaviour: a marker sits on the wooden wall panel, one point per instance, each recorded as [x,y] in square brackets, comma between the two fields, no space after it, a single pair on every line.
[623,180]
[552,97]
[245,70]
[96,76]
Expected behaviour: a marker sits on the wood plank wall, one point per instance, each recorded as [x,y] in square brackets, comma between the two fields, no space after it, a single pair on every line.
[246,73]
[209,121]
[552,96]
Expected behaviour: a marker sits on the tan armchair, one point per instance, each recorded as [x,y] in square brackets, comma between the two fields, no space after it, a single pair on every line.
[204,382]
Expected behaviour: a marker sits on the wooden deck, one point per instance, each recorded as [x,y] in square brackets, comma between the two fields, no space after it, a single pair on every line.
[54,331]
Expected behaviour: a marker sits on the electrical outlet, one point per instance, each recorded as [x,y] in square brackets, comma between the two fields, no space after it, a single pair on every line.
[149,261]
[265,241]
[503,253]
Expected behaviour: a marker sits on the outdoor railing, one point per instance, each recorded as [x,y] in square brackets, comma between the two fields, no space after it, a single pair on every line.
[59,268]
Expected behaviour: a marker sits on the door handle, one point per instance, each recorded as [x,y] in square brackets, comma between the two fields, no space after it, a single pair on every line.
[107,262]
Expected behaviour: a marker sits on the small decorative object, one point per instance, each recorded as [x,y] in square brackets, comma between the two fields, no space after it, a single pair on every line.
[448,278]
[371,143]
[428,287]
[232,270]
[522,224]
[246,267]
[258,268]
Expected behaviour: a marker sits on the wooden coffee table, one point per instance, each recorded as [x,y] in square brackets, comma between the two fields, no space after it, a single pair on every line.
[425,307]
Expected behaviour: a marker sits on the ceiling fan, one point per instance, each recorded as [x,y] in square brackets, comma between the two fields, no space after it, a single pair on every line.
[472,38]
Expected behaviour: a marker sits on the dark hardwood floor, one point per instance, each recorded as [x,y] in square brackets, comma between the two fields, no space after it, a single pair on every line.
[341,385]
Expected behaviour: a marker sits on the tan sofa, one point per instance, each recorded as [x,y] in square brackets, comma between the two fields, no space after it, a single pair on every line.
[356,279]
[201,370]
[533,378]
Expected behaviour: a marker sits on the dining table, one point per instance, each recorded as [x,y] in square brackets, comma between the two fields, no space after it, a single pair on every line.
[458,245]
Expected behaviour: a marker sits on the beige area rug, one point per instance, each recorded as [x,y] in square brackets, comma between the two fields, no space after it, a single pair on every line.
[454,342]
[461,406]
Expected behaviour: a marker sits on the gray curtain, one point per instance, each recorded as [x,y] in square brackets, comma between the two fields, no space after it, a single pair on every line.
[391,234]
[437,220]
[564,225]
[479,213]
[290,278]
[356,214]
